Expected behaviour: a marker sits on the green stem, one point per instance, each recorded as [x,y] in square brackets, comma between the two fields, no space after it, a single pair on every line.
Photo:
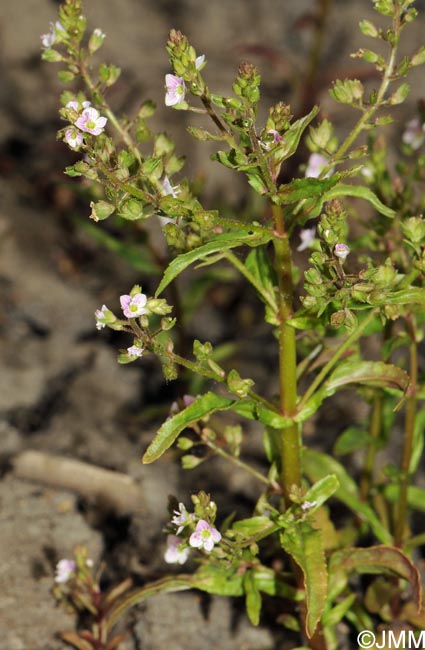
[409,431]
[336,357]
[370,112]
[375,432]
[290,437]
[169,584]
[127,139]
[238,463]
[233,259]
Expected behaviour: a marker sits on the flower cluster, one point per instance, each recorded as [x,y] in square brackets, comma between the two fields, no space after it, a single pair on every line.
[201,535]
[87,120]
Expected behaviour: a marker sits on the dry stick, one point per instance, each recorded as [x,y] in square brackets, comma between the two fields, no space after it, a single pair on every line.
[113,489]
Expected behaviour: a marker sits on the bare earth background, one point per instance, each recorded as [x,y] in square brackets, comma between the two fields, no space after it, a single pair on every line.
[61,390]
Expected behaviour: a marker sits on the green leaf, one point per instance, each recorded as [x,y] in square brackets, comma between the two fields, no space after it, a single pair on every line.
[202,407]
[253,411]
[360,192]
[219,243]
[378,560]
[306,188]
[305,545]
[220,580]
[369,373]
[252,598]
[138,257]
[351,440]
[415,496]
[318,465]
[291,138]
[259,265]
[413,295]
[322,490]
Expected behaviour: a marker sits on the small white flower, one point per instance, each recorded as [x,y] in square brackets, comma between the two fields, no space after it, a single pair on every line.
[341,251]
[199,61]
[307,237]
[182,518]
[205,536]
[175,553]
[134,351]
[308,505]
[316,163]
[49,39]
[91,121]
[64,570]
[73,138]
[176,90]
[168,189]
[100,315]
[414,134]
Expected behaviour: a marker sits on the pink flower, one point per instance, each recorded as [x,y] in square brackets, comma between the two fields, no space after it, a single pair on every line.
[205,536]
[341,251]
[64,570]
[176,90]
[100,315]
[316,163]
[135,351]
[133,306]
[91,121]
[276,135]
[414,135]
[175,553]
[73,138]
[307,237]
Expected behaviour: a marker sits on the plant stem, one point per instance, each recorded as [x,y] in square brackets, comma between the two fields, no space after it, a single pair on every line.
[336,357]
[233,259]
[374,431]
[239,463]
[370,112]
[409,431]
[290,437]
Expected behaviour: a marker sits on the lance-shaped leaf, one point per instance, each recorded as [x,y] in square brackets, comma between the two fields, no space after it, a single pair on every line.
[202,407]
[219,243]
[360,192]
[291,138]
[252,597]
[305,545]
[306,188]
[259,265]
[377,560]
[411,296]
[368,373]
[318,465]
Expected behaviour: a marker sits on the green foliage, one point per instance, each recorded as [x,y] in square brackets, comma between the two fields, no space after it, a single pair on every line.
[358,328]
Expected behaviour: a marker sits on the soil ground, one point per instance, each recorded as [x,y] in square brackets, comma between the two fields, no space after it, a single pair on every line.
[61,390]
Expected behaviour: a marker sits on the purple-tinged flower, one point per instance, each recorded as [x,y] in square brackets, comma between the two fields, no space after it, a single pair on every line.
[307,237]
[341,251]
[199,61]
[100,315]
[134,351]
[73,138]
[64,570]
[175,553]
[49,39]
[414,135]
[133,306]
[276,135]
[176,408]
[168,189]
[182,518]
[205,536]
[176,90]
[91,121]
[315,165]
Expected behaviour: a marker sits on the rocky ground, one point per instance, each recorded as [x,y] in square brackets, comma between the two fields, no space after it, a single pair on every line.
[61,390]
